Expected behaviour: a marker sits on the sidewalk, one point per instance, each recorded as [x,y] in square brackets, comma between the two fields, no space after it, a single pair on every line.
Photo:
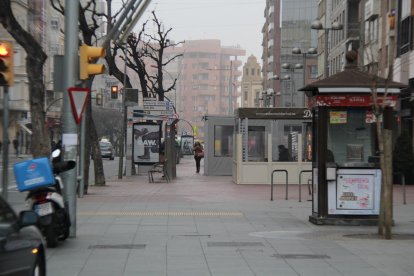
[206,225]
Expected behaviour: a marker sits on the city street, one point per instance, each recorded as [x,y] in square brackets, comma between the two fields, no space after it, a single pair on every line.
[206,225]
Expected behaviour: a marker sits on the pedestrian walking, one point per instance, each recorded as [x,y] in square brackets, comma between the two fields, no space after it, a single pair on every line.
[16,146]
[198,154]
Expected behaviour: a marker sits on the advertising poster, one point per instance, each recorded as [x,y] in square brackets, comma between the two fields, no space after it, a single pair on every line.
[338,117]
[355,192]
[187,143]
[146,143]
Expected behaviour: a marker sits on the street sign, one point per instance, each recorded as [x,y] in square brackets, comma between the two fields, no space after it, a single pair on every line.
[78,99]
[158,108]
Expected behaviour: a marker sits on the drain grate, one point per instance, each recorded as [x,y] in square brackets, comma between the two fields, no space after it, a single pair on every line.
[117,246]
[301,256]
[233,244]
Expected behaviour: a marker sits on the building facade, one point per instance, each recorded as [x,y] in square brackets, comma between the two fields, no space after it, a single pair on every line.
[296,69]
[271,47]
[252,84]
[208,80]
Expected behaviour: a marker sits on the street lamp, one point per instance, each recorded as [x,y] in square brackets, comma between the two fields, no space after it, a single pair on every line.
[298,51]
[267,97]
[317,25]
[284,78]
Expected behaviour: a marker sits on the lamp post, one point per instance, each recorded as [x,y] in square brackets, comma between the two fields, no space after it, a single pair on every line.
[298,51]
[267,97]
[317,25]
[284,78]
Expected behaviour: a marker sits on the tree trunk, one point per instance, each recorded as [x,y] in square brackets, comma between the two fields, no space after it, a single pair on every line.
[35,60]
[96,153]
[40,144]
[381,216]
[388,184]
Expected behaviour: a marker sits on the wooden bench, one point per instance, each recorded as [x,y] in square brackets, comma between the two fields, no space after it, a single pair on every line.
[158,168]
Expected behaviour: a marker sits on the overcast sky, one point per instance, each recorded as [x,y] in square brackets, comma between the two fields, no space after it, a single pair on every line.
[234,22]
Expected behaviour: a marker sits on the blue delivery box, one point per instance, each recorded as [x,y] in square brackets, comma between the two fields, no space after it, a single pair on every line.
[32,174]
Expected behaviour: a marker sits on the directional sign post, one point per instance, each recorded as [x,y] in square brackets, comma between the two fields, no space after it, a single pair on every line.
[78,99]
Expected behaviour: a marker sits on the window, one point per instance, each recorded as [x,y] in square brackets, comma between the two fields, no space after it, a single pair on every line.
[256,144]
[247,71]
[350,137]
[54,24]
[246,95]
[223,141]
[405,36]
[252,71]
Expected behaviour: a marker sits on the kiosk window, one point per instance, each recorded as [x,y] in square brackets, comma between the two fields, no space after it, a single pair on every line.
[257,145]
[350,137]
[223,139]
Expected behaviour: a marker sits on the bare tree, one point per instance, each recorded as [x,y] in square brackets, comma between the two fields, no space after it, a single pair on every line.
[35,60]
[155,51]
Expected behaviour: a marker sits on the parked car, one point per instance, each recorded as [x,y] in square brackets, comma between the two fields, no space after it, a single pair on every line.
[22,250]
[107,150]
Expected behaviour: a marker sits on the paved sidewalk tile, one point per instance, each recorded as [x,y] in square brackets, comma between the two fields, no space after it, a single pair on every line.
[207,225]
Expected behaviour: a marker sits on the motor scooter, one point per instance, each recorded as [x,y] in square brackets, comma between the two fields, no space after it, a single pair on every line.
[48,202]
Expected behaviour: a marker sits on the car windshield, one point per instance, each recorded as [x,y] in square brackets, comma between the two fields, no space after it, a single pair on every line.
[104,145]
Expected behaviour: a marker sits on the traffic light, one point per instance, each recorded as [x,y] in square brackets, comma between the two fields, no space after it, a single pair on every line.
[6,64]
[89,55]
[114,92]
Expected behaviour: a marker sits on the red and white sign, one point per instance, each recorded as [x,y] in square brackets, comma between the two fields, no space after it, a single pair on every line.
[353,100]
[78,99]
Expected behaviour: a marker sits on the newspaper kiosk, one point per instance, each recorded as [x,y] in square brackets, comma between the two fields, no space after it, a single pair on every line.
[346,173]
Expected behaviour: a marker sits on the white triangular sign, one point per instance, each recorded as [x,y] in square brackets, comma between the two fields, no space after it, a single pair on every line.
[78,99]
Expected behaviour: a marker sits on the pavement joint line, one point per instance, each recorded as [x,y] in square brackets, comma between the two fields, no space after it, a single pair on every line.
[162,213]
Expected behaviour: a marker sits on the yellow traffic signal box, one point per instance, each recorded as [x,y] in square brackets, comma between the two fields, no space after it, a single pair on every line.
[87,59]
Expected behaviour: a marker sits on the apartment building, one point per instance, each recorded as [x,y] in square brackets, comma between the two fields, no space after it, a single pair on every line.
[46,26]
[287,26]
[298,68]
[252,84]
[401,26]
[208,79]
[271,46]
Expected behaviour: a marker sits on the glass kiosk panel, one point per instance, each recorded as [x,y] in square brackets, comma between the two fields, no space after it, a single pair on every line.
[351,140]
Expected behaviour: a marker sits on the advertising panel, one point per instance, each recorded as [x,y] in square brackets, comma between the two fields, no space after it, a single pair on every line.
[146,143]
[187,143]
[355,192]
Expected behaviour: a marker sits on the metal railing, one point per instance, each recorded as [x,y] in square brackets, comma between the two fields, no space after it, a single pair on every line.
[300,183]
[271,185]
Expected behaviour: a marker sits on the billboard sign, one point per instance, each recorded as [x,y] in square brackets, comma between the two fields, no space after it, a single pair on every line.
[146,143]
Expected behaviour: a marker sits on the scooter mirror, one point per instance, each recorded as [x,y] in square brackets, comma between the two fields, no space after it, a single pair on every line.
[56,153]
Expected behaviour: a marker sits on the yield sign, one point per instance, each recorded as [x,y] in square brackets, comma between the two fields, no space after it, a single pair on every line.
[78,99]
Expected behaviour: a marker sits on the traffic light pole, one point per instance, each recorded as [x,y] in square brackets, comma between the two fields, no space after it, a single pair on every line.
[5,183]
[70,130]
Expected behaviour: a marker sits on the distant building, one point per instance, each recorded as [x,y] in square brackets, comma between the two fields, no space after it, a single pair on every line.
[252,83]
[207,79]
[271,46]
